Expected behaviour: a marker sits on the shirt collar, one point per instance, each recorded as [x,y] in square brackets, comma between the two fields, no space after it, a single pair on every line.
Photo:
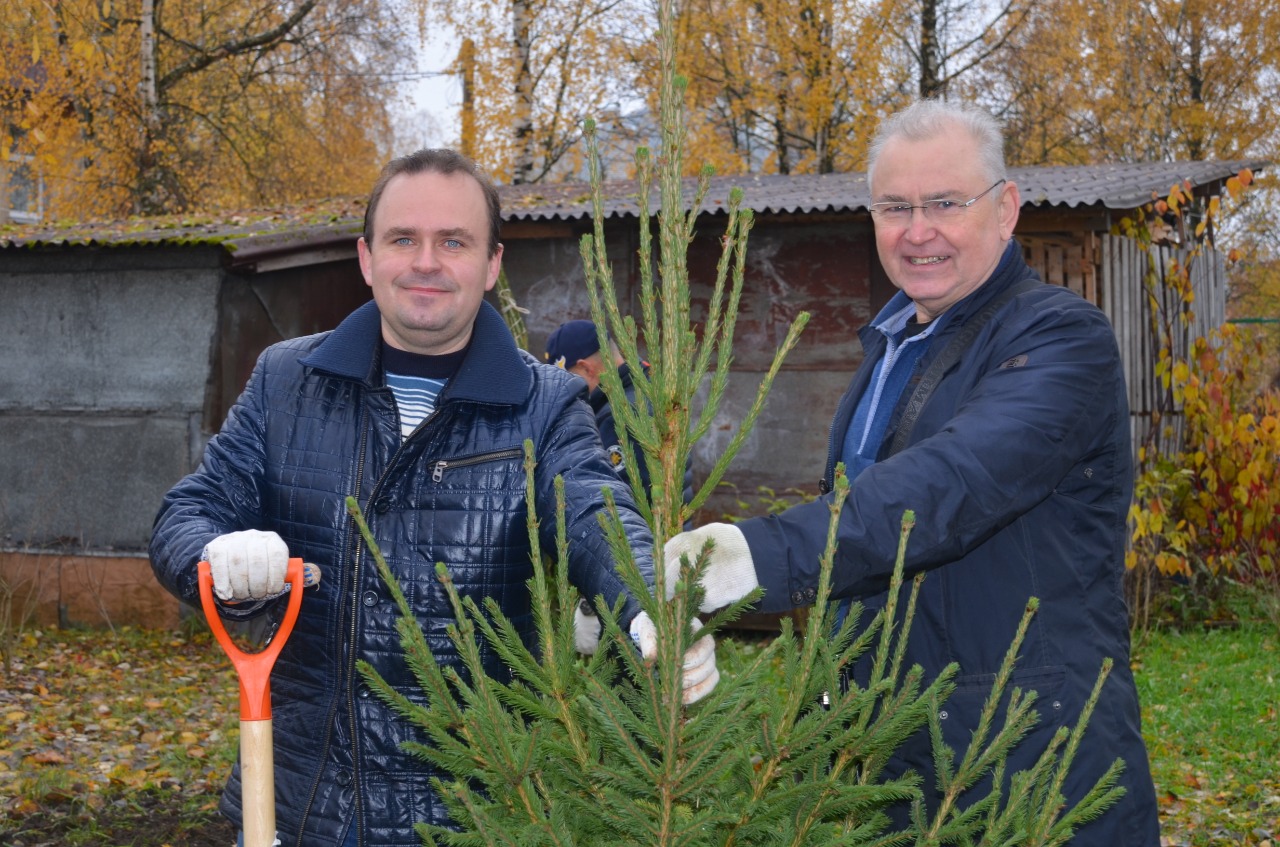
[897,312]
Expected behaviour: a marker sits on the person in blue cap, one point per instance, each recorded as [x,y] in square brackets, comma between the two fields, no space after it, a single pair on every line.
[575,346]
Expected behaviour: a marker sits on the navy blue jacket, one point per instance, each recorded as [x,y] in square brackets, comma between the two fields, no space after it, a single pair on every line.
[314,424]
[1019,471]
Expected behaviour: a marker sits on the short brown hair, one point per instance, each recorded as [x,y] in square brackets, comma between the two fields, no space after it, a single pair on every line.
[440,161]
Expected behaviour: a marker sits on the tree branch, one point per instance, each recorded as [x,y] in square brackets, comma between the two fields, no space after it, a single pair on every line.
[205,58]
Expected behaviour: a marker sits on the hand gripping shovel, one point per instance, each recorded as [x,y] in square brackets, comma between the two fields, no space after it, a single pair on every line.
[257,760]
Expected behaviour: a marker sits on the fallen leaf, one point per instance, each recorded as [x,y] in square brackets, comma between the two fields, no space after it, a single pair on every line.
[49,757]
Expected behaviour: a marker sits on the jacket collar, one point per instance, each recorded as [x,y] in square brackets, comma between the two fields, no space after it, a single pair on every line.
[494,371]
[1011,270]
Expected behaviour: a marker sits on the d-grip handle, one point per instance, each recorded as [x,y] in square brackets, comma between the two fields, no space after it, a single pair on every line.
[253,669]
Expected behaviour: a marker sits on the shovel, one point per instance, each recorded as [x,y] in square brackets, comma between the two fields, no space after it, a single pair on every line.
[257,760]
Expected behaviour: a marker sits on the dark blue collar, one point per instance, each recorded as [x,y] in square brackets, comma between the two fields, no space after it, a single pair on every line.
[494,370]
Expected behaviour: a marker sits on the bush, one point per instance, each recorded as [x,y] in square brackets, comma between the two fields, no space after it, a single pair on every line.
[1211,512]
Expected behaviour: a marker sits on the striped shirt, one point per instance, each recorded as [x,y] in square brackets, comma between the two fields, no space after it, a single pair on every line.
[416,381]
[415,398]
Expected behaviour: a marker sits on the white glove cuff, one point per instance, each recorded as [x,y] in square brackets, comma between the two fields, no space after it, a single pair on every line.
[586,630]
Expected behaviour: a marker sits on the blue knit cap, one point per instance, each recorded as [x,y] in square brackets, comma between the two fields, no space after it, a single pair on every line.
[571,341]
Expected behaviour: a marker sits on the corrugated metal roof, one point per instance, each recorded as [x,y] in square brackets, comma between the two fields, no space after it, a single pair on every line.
[1118,186]
[254,237]
[335,220]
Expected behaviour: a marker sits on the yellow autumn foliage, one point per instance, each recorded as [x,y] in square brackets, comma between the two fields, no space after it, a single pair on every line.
[254,103]
[1215,503]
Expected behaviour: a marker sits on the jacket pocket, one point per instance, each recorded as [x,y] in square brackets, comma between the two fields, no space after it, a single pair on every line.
[960,713]
[441,467]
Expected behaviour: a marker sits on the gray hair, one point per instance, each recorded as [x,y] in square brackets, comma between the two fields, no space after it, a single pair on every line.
[926,119]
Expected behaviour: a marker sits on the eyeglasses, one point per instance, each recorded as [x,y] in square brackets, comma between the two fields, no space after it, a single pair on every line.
[899,214]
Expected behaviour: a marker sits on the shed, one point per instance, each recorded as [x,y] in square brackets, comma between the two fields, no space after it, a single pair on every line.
[124,344]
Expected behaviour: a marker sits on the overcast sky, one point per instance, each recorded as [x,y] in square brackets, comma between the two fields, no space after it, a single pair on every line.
[430,117]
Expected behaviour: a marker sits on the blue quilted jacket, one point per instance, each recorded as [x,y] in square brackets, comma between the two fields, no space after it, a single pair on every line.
[314,424]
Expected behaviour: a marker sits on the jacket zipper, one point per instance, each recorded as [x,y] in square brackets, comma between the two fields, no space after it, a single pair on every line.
[354,549]
[355,583]
[355,608]
[357,549]
[358,818]
[441,465]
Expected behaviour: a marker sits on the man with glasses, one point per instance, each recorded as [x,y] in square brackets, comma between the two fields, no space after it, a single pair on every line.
[994,406]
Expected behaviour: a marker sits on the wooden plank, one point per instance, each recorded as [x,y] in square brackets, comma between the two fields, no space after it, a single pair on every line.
[1089,266]
[1053,259]
[1033,255]
[1071,268]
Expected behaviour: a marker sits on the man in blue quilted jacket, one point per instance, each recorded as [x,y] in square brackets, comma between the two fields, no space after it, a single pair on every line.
[994,406]
[417,404]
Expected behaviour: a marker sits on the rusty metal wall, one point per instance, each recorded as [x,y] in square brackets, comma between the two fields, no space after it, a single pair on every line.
[822,266]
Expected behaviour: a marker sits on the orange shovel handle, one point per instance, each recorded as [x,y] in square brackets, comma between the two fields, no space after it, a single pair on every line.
[254,669]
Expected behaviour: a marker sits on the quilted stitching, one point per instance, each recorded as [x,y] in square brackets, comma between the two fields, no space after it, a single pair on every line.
[287,456]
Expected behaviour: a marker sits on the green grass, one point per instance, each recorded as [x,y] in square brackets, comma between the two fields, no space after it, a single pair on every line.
[1210,699]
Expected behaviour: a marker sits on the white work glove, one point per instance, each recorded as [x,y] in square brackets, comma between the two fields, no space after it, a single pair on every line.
[586,629]
[730,574]
[248,565]
[700,674]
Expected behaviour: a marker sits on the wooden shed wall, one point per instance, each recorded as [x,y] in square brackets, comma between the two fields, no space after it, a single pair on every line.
[1136,297]
[1070,261]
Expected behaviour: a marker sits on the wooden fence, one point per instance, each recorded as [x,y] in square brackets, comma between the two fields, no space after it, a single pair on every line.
[1070,261]
[1111,271]
[1136,308]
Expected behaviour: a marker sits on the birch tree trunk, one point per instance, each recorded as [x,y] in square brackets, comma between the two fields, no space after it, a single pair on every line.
[150,198]
[930,53]
[522,119]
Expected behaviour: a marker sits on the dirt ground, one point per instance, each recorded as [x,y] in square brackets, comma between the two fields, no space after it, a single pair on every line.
[139,821]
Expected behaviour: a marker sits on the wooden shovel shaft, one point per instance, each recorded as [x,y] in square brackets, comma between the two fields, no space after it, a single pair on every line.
[257,757]
[257,772]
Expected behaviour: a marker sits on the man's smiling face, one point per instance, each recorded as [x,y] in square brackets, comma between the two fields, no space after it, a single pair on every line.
[429,264]
[937,265]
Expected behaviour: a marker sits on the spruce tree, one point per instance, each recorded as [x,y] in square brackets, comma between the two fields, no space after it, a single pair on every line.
[599,750]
